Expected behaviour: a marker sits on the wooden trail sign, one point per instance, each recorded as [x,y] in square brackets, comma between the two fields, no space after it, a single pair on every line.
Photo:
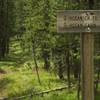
[85,22]
[87,66]
[78,21]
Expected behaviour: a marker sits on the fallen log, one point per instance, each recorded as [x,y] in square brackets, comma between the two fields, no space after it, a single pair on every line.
[52,90]
[38,93]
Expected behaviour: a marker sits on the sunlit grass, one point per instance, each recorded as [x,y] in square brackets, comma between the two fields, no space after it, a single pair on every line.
[20,80]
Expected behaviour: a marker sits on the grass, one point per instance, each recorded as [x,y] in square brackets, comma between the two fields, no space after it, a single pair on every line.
[64,95]
[18,80]
[23,81]
[97,97]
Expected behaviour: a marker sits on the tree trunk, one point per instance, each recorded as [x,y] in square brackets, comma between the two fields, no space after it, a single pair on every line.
[68,66]
[46,57]
[60,70]
[4,38]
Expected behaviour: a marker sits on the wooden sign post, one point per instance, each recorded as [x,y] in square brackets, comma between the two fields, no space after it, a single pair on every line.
[87,42]
[85,22]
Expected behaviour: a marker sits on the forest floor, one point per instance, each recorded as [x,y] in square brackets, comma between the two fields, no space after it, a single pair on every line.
[18,78]
[22,81]
[19,81]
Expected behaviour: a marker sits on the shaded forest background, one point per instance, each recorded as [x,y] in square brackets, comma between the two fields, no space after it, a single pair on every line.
[28,31]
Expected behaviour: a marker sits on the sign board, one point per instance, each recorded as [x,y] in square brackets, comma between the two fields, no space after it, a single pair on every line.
[78,21]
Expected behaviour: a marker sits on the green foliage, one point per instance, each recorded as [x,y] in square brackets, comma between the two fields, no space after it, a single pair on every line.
[28,27]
